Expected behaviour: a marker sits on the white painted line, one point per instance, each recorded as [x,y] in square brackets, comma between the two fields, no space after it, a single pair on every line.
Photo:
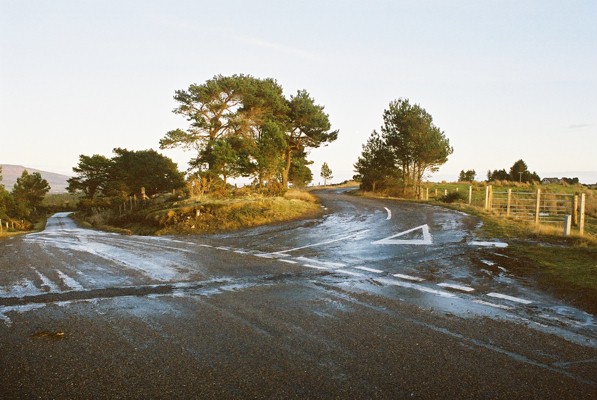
[462,288]
[289,261]
[343,271]
[420,288]
[70,282]
[389,213]
[223,248]
[489,244]
[409,277]
[322,243]
[511,298]
[241,252]
[205,245]
[377,271]
[264,255]
[315,266]
[326,263]
[486,303]
[427,240]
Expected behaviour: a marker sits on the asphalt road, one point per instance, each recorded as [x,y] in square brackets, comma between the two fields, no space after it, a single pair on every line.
[374,299]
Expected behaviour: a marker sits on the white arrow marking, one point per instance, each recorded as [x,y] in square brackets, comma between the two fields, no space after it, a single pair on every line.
[426,237]
[389,213]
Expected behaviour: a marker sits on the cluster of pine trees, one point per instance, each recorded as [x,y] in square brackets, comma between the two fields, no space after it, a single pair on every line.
[241,126]
[125,174]
[408,147]
[21,206]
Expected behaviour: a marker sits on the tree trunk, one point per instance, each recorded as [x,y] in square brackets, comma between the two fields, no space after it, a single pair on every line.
[286,171]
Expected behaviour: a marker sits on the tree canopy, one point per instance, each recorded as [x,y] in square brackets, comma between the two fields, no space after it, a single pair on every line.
[409,146]
[28,193]
[518,172]
[244,126]
[125,173]
[326,173]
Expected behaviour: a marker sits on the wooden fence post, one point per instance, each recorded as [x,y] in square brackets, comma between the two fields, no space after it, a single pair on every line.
[575,210]
[509,202]
[486,197]
[470,195]
[581,224]
[538,206]
[567,224]
[427,194]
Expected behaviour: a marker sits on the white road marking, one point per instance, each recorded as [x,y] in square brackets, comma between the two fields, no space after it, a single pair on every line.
[70,282]
[315,266]
[289,262]
[223,248]
[322,243]
[457,287]
[489,244]
[47,282]
[205,245]
[420,288]
[264,255]
[343,271]
[486,303]
[241,252]
[408,277]
[427,240]
[511,298]
[377,271]
[389,213]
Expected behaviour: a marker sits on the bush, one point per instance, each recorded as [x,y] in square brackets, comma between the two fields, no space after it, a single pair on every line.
[453,197]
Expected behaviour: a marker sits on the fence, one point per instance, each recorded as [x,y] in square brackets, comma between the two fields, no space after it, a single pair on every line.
[557,209]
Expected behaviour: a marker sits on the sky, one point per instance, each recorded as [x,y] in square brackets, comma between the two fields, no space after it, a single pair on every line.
[505,80]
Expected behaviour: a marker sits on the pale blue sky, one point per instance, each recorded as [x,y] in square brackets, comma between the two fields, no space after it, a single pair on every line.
[503,79]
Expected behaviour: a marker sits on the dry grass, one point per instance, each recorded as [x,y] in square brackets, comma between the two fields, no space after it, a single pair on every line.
[294,194]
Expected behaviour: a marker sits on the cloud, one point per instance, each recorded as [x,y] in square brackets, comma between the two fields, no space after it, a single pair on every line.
[288,50]
[581,126]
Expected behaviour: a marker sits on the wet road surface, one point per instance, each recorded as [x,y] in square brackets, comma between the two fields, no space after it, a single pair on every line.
[375,299]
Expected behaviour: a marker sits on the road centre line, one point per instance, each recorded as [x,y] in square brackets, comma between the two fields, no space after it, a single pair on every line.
[408,277]
[322,243]
[377,271]
[343,271]
[420,288]
[486,303]
[462,288]
[511,298]
[389,213]
[314,266]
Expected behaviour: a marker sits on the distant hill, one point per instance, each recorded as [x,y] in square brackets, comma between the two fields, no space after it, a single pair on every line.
[10,173]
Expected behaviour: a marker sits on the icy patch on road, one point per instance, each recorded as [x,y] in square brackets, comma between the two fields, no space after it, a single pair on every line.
[22,288]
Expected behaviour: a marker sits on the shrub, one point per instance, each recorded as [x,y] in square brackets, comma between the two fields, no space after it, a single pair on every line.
[453,197]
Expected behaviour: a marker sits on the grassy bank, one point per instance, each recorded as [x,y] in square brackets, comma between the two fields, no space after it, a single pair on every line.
[206,214]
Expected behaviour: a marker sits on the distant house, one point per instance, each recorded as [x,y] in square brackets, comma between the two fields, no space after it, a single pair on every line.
[547,181]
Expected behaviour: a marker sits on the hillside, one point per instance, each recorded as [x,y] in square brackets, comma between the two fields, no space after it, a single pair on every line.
[10,173]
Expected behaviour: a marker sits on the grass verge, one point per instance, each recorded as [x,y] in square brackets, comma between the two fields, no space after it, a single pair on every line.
[206,215]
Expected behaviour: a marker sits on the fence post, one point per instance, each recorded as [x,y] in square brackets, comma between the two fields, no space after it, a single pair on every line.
[427,194]
[575,210]
[0,225]
[538,206]
[509,202]
[470,195]
[567,224]
[581,226]
[486,198]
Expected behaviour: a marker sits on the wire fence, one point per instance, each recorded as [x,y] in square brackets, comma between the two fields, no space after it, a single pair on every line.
[568,211]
